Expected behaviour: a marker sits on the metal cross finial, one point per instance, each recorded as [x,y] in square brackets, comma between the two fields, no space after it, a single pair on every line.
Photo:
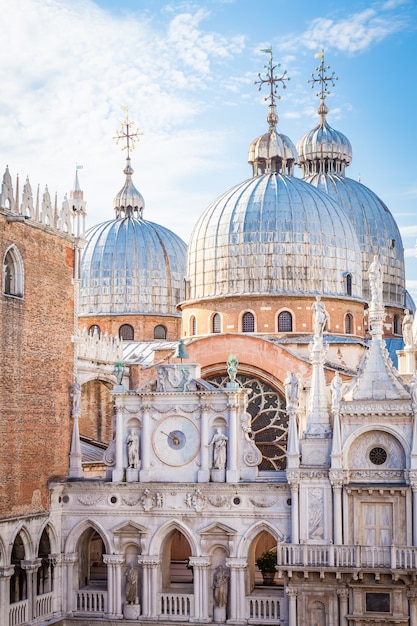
[128,133]
[322,78]
[271,79]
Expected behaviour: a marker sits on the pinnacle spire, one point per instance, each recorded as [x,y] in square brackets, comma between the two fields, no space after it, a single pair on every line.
[323,80]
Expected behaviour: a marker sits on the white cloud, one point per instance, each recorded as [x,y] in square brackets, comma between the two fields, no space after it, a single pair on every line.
[352,34]
[67,70]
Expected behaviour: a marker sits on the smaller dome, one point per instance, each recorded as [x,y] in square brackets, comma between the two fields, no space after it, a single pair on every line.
[272,152]
[324,149]
[128,201]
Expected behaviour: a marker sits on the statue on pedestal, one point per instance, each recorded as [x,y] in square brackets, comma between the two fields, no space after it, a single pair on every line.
[221,587]
[407,328]
[133,450]
[320,317]
[131,585]
[219,443]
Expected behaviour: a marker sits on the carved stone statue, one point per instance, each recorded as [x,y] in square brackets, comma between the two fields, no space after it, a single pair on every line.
[133,450]
[413,390]
[375,280]
[131,575]
[336,391]
[407,328]
[232,365]
[320,317]
[76,397]
[219,443]
[220,586]
[291,384]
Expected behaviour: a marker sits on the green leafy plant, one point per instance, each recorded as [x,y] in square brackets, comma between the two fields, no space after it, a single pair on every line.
[267,561]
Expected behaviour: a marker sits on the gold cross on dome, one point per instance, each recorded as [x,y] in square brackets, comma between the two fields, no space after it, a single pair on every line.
[271,79]
[128,133]
[322,78]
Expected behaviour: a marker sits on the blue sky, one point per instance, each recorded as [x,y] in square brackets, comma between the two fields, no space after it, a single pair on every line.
[186,71]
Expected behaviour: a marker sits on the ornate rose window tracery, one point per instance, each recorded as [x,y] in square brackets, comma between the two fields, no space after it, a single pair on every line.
[269,419]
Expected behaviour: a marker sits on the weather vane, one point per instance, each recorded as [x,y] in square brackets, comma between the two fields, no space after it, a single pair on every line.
[322,78]
[128,133]
[271,79]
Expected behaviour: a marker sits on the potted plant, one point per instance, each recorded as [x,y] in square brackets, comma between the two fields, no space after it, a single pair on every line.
[267,564]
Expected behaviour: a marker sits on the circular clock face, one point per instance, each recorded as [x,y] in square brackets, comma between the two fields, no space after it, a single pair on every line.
[176,440]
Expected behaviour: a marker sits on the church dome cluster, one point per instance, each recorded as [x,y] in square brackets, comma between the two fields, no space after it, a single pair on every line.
[271,235]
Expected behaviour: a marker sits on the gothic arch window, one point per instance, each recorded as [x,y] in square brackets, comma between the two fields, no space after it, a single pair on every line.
[92,570]
[126,332]
[285,322]
[176,553]
[269,421]
[18,582]
[159,332]
[94,330]
[216,323]
[348,284]
[348,324]
[193,325]
[45,573]
[13,274]
[248,322]
[396,325]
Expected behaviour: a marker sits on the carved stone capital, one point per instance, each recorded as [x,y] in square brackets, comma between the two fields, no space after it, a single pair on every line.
[55,559]
[336,478]
[70,558]
[343,593]
[113,559]
[199,561]
[31,566]
[6,571]
[238,564]
[148,560]
[291,593]
[293,478]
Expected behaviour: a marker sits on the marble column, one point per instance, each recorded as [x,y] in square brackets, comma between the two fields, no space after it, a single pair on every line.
[237,595]
[117,475]
[204,471]
[232,472]
[414,496]
[31,569]
[55,561]
[144,474]
[68,583]
[343,595]
[114,563]
[201,590]
[6,572]
[412,606]
[292,606]
[150,588]
[336,480]
[292,477]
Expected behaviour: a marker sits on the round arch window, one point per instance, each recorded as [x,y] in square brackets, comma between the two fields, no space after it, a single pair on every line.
[126,332]
[160,332]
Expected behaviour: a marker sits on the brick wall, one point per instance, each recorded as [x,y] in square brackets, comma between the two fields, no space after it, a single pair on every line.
[36,356]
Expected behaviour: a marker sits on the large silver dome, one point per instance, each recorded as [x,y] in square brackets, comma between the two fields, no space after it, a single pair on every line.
[132,266]
[270,235]
[376,230]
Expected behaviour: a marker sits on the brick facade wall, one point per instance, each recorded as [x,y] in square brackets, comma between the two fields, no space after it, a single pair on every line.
[37,358]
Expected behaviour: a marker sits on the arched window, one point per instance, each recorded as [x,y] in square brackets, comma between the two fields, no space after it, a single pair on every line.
[193,325]
[18,586]
[396,325]
[94,330]
[248,322]
[284,322]
[160,332]
[348,284]
[13,273]
[216,323]
[126,332]
[45,574]
[348,324]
